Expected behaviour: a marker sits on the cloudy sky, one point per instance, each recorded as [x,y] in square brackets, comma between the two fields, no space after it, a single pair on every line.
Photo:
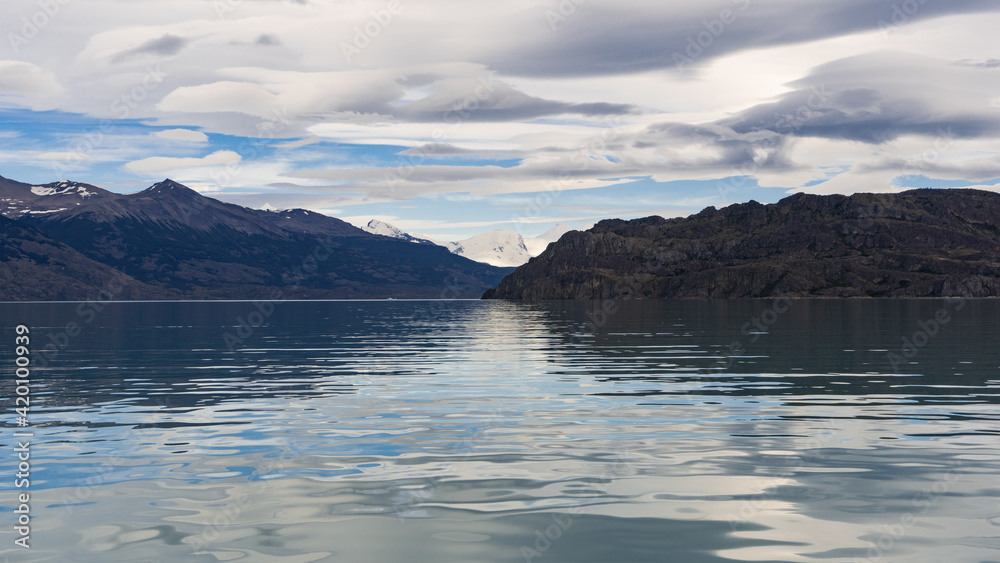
[452,117]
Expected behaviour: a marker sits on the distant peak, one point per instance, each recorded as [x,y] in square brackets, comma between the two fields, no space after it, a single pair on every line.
[169,187]
[382,228]
[377,227]
[169,184]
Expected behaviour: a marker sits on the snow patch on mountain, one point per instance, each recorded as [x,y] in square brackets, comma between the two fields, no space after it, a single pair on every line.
[61,188]
[272,209]
[497,248]
[377,227]
[48,211]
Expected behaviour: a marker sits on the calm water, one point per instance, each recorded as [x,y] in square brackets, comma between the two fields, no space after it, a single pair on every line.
[489,431]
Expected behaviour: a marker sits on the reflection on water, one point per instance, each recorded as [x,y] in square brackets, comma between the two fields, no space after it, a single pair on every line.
[494,431]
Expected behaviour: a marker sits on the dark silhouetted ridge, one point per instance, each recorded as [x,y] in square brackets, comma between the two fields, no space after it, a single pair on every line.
[919,243]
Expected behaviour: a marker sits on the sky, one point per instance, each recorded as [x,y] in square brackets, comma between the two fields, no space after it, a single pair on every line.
[448,118]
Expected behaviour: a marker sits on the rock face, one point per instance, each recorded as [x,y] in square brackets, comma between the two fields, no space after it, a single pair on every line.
[919,243]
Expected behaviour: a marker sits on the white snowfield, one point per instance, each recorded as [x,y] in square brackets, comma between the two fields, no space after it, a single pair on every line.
[498,248]
[48,211]
[62,188]
[377,227]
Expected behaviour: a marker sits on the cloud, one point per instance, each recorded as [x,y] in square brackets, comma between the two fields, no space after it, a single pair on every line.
[570,96]
[267,39]
[239,97]
[311,140]
[66,156]
[186,135]
[986,63]
[877,97]
[163,163]
[26,79]
[164,46]
[451,92]
[932,165]
[484,99]
[450,150]
[628,36]
[458,136]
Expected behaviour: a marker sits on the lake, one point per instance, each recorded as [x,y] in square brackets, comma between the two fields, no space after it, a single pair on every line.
[471,431]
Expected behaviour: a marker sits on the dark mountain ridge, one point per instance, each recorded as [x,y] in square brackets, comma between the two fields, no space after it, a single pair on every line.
[305,221]
[176,242]
[919,243]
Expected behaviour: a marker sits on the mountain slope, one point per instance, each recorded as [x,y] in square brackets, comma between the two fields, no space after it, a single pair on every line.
[174,239]
[920,243]
[34,267]
[305,221]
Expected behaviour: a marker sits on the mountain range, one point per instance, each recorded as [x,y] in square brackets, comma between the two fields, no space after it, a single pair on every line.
[75,241]
[68,240]
[918,243]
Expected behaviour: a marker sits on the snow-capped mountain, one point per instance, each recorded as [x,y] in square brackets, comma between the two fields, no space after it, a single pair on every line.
[377,227]
[496,248]
[537,245]
[19,198]
[506,248]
